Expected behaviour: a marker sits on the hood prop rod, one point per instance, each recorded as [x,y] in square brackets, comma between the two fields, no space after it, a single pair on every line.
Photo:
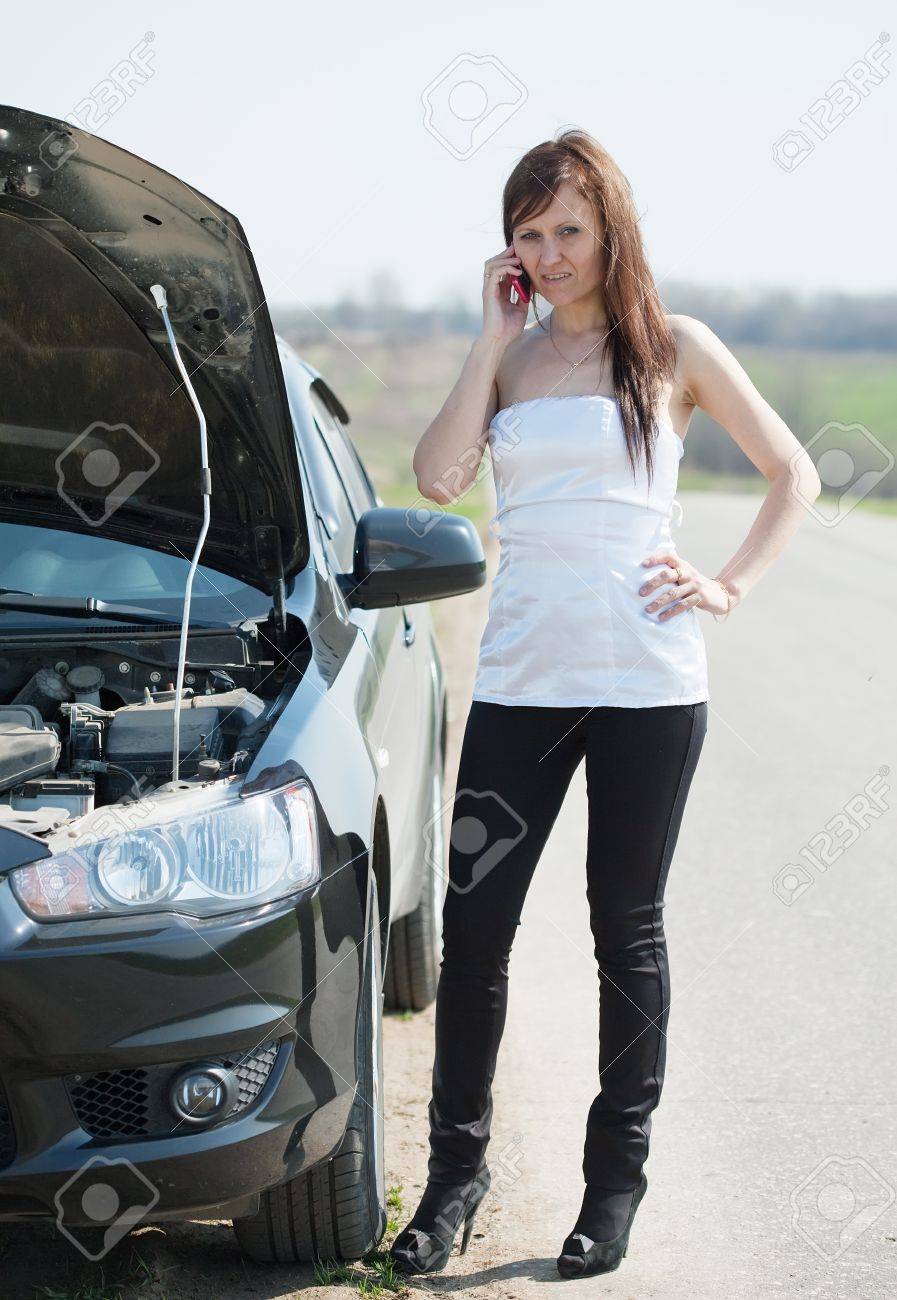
[161,300]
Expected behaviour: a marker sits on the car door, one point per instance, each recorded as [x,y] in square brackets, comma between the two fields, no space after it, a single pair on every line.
[398,725]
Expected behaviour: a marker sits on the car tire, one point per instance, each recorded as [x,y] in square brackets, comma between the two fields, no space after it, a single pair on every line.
[415,940]
[337,1209]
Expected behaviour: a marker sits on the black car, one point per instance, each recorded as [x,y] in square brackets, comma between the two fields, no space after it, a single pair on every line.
[221,823]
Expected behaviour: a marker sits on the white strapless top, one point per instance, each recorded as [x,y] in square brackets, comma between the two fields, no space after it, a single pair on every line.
[566,624]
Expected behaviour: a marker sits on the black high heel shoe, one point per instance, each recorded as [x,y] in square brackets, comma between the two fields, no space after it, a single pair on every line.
[580,1255]
[419,1248]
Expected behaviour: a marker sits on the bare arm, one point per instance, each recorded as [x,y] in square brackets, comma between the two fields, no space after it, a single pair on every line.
[713,379]
[448,455]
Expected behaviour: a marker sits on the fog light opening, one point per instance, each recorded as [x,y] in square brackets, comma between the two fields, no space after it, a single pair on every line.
[201,1094]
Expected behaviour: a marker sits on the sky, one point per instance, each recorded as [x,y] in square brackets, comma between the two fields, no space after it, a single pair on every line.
[357,141]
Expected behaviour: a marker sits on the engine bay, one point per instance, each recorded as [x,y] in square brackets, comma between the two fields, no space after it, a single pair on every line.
[88,720]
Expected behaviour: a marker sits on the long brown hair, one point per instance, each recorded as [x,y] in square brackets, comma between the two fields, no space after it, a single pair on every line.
[643,352]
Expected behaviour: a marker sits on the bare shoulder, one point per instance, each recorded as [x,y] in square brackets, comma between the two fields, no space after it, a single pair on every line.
[515,358]
[710,376]
[699,352]
[521,346]
[692,337]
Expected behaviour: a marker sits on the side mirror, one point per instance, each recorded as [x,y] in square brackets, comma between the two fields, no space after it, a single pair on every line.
[403,557]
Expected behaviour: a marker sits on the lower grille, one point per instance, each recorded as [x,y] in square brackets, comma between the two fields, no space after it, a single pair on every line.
[7,1133]
[133,1102]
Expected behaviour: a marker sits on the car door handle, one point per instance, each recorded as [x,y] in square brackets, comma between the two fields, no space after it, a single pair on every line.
[410,631]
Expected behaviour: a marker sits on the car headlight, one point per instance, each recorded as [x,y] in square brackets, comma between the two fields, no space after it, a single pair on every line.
[243,851]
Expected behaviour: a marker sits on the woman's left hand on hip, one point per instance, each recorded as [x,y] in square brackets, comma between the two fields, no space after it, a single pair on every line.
[693,590]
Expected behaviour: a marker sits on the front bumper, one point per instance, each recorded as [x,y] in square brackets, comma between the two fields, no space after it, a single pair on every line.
[135,994]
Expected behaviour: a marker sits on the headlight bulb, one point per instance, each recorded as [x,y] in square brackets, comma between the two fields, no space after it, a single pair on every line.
[138,867]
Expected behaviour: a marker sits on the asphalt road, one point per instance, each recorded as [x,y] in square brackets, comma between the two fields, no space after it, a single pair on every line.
[773,1163]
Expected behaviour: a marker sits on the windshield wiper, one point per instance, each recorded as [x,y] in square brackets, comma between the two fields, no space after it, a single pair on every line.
[91,607]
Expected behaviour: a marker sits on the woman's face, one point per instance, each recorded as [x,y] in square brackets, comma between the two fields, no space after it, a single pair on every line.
[561,248]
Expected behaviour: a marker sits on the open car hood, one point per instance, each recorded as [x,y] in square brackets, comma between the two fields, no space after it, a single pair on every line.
[96,430]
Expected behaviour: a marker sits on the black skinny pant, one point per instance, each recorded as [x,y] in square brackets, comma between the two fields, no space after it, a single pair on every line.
[515,767]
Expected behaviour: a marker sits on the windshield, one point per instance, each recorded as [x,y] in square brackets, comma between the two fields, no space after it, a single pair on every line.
[52,562]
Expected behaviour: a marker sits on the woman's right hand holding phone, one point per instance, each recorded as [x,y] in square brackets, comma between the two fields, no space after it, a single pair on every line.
[461,425]
[503,320]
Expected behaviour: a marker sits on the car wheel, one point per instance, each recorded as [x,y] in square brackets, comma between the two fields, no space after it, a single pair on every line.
[336,1210]
[415,940]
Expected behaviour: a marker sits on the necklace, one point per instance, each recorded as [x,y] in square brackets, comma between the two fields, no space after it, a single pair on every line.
[573,364]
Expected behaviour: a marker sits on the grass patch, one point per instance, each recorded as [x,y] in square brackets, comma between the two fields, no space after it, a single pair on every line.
[376,1274]
[112,1281]
[376,1278]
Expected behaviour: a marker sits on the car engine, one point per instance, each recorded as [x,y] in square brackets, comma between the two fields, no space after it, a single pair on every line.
[91,722]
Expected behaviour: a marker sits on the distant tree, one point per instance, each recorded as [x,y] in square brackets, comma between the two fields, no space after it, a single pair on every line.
[346,313]
[836,322]
[384,298]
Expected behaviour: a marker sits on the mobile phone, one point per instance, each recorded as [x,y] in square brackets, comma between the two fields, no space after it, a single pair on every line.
[522,285]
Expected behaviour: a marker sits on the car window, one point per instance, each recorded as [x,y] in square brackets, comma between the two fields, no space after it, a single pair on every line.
[345,458]
[355,472]
[311,452]
[317,529]
[329,498]
[338,510]
[58,562]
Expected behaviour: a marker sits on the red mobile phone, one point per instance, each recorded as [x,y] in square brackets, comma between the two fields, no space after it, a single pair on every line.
[522,284]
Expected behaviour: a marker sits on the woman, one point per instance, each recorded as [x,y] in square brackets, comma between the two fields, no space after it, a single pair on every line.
[592,650]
